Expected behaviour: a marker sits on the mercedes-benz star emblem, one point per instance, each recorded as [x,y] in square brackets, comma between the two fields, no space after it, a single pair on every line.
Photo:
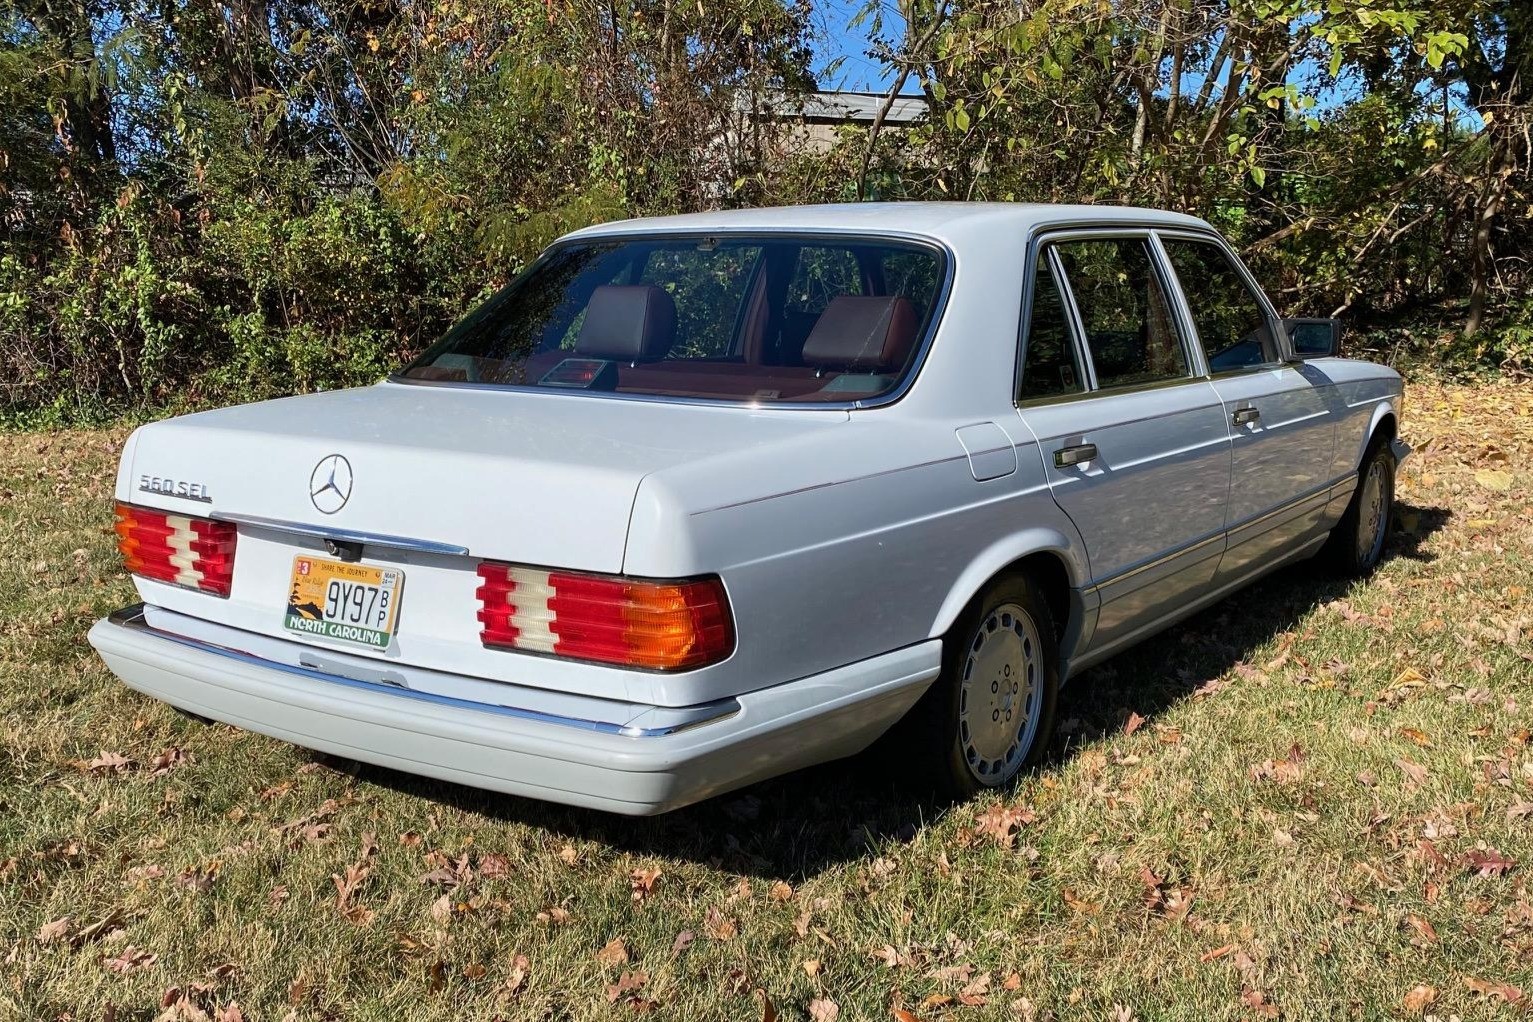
[330,485]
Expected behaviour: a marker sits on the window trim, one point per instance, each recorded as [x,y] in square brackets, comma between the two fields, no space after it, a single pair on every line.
[829,236]
[1196,369]
[1274,321]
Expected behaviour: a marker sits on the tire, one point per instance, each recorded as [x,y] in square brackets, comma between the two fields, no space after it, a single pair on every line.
[978,736]
[1357,541]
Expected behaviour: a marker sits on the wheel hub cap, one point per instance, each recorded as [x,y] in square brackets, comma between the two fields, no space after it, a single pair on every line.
[1372,521]
[999,694]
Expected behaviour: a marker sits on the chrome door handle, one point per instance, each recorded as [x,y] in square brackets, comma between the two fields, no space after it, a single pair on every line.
[1067,456]
[1246,416]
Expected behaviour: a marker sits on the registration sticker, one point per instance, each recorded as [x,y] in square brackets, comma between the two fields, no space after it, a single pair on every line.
[350,602]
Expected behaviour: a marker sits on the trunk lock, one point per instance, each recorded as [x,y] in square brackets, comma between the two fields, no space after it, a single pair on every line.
[344,550]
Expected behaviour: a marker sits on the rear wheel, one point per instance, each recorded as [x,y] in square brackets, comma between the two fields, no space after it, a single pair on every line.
[1357,541]
[991,713]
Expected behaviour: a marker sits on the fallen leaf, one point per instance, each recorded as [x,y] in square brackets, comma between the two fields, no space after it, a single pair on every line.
[1415,771]
[1492,989]
[973,992]
[50,932]
[683,941]
[130,959]
[1496,479]
[823,1009]
[811,966]
[1426,934]
[628,983]
[167,761]
[106,762]
[1134,723]
[494,865]
[780,891]
[516,978]
[613,953]
[1000,822]
[1419,997]
[719,926]
[1488,862]
[642,881]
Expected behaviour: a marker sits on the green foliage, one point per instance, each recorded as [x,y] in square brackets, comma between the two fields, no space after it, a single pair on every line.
[203,204]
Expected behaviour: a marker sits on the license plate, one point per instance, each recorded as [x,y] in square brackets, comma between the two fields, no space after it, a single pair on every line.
[350,602]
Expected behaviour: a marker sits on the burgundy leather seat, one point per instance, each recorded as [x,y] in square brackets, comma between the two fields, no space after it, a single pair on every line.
[628,323]
[863,334]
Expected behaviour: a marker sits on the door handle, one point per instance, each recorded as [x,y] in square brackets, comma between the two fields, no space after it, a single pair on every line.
[1246,416]
[1067,456]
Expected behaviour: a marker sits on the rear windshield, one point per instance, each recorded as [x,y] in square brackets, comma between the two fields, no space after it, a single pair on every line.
[735,318]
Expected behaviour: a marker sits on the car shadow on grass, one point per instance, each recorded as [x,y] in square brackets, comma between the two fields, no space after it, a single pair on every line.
[797,826]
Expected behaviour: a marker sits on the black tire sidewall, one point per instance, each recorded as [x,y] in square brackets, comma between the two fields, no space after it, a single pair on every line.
[1349,558]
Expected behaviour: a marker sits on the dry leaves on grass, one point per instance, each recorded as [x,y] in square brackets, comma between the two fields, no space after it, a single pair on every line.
[130,959]
[642,882]
[823,1009]
[719,926]
[1168,902]
[1494,990]
[613,954]
[1419,998]
[1001,823]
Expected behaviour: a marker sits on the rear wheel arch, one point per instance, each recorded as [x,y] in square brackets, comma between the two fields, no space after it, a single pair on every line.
[1051,566]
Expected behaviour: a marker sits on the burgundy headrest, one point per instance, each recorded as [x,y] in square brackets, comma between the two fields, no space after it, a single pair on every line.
[855,332]
[628,323]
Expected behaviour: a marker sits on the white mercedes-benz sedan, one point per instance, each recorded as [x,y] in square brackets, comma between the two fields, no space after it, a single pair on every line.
[702,499]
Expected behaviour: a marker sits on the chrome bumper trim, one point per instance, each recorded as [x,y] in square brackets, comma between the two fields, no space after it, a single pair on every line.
[134,618]
[425,546]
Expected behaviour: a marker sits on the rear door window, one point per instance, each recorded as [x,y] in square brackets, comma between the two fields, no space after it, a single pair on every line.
[1129,330]
[1049,366]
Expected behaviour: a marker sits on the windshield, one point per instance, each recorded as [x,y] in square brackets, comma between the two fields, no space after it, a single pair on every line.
[733,318]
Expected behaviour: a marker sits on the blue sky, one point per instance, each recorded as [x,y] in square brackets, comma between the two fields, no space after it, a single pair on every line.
[856,71]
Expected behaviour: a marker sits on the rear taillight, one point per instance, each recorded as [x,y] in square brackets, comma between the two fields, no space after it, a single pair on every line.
[659,626]
[193,552]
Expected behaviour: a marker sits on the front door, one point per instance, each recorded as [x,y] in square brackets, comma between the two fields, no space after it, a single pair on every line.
[1282,431]
[1133,438]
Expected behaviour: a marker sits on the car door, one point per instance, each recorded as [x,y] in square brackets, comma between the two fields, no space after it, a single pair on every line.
[1280,421]
[1132,436]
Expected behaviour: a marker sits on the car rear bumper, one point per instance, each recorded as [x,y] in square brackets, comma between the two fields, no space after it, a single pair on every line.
[601,754]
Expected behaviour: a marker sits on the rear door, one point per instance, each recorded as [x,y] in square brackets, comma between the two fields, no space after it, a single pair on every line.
[1282,430]
[1133,437]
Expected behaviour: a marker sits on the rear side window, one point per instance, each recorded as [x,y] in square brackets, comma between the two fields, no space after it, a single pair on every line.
[1049,366]
[1231,321]
[1123,309]
[733,317]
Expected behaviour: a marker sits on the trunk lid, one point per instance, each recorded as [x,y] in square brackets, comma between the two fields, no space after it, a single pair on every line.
[536,478]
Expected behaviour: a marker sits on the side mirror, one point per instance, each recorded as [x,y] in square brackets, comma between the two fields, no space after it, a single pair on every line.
[1314,338]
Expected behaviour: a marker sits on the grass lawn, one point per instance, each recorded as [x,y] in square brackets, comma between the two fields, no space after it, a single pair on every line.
[1314,801]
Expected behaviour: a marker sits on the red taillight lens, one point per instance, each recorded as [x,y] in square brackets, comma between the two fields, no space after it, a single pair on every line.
[659,626]
[193,552]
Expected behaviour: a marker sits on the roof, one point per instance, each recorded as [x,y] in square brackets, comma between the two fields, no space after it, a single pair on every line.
[845,107]
[940,221]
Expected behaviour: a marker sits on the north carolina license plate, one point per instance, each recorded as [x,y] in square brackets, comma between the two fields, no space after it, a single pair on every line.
[350,602]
